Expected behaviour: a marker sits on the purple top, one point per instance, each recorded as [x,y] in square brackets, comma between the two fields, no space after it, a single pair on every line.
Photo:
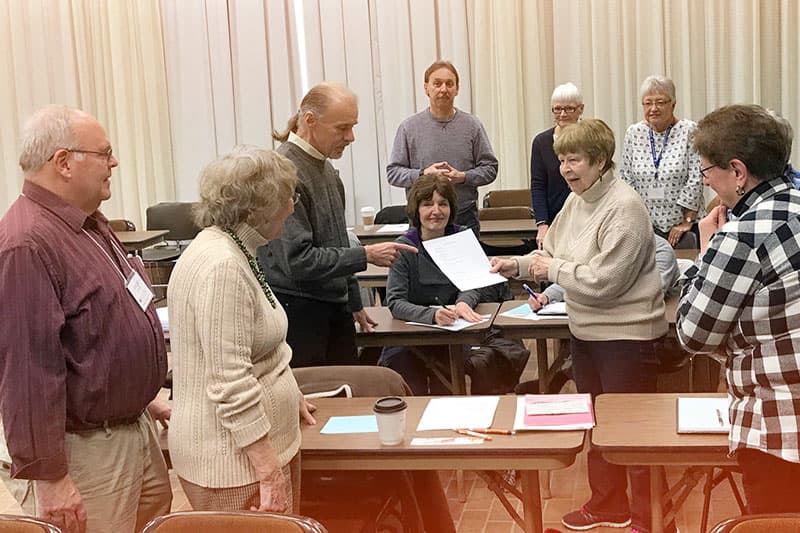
[76,349]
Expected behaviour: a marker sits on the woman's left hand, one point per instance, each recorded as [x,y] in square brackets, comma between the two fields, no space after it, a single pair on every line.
[161,411]
[540,265]
[467,313]
[677,231]
[306,408]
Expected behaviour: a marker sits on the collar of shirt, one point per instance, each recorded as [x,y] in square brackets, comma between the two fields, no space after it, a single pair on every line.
[251,238]
[73,217]
[305,146]
[599,188]
[763,190]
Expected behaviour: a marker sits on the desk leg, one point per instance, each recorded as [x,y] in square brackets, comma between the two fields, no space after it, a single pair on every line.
[531,502]
[656,498]
[457,378]
[542,363]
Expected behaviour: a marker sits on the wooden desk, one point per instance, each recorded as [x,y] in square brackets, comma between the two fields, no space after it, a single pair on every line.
[641,429]
[552,328]
[373,276]
[393,332]
[135,241]
[527,452]
[515,229]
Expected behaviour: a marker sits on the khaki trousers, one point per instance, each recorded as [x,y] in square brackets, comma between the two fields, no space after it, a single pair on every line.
[120,474]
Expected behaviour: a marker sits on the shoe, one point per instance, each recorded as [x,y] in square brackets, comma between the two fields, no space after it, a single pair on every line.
[581,520]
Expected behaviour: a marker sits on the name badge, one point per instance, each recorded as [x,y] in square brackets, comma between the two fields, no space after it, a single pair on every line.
[139,290]
[657,193]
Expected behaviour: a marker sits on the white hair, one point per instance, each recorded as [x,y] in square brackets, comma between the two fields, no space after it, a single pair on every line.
[657,84]
[566,92]
[47,130]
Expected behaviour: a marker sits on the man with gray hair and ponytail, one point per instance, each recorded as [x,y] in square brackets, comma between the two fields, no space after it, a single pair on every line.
[82,353]
[312,267]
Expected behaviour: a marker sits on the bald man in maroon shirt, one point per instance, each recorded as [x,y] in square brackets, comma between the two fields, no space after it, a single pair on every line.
[81,349]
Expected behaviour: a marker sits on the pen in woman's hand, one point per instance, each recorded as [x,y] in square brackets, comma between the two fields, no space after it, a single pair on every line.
[532,294]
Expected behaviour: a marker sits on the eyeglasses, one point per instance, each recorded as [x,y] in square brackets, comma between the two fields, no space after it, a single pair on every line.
[703,170]
[108,154]
[295,198]
[569,109]
[656,103]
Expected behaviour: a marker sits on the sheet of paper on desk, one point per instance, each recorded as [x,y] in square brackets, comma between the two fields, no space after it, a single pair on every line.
[445,441]
[703,415]
[460,257]
[458,325]
[568,412]
[459,412]
[393,228]
[524,311]
[350,424]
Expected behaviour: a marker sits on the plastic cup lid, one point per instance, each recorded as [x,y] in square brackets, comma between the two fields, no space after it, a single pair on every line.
[389,404]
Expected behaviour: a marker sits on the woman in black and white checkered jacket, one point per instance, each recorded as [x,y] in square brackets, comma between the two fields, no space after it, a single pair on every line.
[742,297]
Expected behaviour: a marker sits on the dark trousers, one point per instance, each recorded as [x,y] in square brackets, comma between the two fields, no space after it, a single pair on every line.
[616,366]
[415,371]
[320,333]
[771,484]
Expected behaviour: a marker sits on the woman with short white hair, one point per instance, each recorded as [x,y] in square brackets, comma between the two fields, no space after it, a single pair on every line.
[235,430]
[660,164]
[548,188]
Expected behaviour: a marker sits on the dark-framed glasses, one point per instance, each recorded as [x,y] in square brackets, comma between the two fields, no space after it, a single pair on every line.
[107,154]
[558,109]
[703,170]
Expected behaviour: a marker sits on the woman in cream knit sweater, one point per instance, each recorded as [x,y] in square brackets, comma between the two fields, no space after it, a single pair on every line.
[234,438]
[600,249]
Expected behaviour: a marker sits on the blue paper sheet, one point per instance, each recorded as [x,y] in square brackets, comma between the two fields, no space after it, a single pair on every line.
[350,424]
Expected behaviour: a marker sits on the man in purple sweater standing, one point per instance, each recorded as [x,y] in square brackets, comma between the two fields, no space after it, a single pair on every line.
[446,141]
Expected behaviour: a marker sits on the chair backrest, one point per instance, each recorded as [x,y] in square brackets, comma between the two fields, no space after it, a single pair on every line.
[232,522]
[507,198]
[176,217]
[363,380]
[392,214]
[26,524]
[504,213]
[120,224]
[774,523]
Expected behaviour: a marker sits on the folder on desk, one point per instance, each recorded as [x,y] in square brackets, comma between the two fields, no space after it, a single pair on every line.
[703,415]
[554,412]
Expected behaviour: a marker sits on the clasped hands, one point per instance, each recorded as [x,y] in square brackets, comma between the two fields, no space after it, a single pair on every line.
[443,168]
[509,268]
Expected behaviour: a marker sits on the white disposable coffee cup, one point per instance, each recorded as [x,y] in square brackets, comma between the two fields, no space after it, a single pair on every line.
[367,217]
[390,412]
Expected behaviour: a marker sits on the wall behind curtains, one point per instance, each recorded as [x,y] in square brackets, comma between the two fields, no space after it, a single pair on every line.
[103,57]
[717,51]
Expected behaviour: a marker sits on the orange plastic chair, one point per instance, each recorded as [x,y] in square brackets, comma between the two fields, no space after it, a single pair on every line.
[759,523]
[26,524]
[232,522]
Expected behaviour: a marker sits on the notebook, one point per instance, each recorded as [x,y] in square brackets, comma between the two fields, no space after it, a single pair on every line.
[703,415]
[554,412]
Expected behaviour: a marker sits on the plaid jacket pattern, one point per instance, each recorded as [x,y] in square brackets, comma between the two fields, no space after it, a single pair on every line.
[742,298]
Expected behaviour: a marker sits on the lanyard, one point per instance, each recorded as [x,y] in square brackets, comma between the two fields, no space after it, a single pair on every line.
[110,260]
[657,160]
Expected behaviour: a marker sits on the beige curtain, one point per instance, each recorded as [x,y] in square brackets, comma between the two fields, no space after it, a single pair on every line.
[717,51]
[106,58]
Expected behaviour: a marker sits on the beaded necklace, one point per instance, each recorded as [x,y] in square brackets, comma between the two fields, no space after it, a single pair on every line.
[255,267]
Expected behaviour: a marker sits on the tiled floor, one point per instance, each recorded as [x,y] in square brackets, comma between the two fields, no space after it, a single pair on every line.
[482,512]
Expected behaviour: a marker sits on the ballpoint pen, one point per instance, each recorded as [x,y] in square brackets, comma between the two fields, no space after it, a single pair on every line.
[533,294]
[471,433]
[719,417]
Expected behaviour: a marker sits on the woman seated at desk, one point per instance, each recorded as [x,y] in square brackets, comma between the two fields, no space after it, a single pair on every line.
[600,250]
[418,291]
[235,431]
